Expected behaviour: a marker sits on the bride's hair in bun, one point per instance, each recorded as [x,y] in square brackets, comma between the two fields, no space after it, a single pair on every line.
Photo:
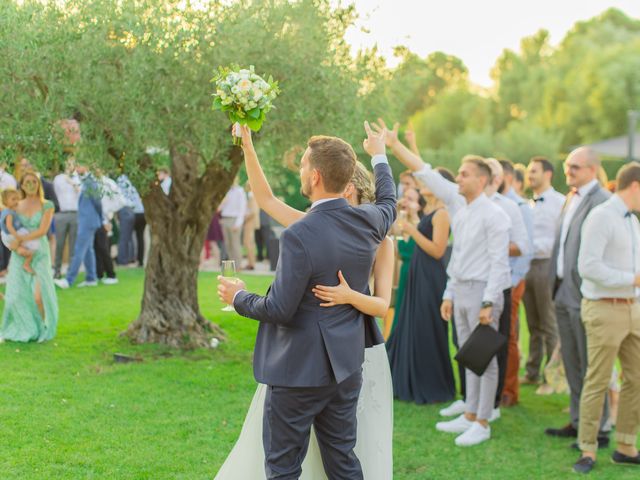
[362,180]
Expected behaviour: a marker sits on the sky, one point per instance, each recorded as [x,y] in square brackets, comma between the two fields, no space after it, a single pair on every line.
[475,30]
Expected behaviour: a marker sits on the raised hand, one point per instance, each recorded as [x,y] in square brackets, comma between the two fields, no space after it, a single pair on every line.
[244,132]
[392,135]
[374,144]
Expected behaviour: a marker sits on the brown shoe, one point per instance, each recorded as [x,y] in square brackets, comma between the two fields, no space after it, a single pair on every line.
[508,401]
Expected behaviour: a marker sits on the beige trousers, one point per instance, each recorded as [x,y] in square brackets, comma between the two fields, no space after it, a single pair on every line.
[613,330]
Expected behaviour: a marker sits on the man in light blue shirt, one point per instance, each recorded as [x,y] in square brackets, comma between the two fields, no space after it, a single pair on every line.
[519,268]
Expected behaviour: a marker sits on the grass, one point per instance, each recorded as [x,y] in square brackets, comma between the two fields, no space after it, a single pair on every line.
[67,411]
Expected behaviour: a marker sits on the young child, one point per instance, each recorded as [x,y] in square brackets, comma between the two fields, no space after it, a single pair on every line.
[11,227]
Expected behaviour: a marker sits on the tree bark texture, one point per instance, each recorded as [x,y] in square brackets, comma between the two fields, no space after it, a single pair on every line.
[170,312]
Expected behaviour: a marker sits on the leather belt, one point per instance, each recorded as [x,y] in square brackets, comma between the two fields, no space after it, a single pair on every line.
[626,301]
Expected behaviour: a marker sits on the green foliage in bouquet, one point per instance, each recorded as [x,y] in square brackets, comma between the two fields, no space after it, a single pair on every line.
[244,95]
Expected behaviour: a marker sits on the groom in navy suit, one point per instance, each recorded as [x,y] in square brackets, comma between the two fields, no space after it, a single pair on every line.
[311,357]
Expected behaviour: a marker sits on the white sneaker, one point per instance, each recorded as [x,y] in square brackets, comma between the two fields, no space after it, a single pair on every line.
[456,408]
[88,284]
[109,281]
[458,425]
[474,435]
[495,415]
[61,283]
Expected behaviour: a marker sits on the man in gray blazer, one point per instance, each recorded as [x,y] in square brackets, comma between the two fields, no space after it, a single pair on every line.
[309,356]
[581,169]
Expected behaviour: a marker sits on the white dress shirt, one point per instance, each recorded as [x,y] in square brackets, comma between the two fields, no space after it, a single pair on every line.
[67,188]
[235,205]
[7,181]
[480,248]
[571,209]
[609,257]
[547,208]
[518,231]
[471,264]
[165,185]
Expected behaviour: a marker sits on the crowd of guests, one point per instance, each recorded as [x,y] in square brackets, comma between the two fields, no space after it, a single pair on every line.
[83,218]
[472,249]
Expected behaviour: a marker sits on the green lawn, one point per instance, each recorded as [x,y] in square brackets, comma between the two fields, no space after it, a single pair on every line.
[68,412]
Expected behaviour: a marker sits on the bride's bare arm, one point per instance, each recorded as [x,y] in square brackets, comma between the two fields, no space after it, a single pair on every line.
[376,304]
[267,201]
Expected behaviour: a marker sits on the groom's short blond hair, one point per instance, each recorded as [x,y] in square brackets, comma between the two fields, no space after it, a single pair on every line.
[334,159]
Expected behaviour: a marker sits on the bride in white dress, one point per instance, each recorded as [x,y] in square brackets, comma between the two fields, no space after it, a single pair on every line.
[375,404]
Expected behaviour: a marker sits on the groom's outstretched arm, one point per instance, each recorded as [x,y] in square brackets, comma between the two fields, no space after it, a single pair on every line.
[285,294]
[385,204]
[385,193]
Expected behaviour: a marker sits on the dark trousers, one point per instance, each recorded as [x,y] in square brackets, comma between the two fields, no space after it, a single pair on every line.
[504,328]
[138,227]
[126,217]
[5,255]
[288,416]
[263,235]
[573,346]
[102,247]
[462,375]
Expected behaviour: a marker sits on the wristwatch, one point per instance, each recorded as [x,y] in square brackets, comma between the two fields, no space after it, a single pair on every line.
[487,304]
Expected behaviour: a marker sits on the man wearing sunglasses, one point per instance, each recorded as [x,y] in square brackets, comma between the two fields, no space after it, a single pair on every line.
[581,170]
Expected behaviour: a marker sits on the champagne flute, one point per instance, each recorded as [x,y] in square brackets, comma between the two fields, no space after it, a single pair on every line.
[402,217]
[229,274]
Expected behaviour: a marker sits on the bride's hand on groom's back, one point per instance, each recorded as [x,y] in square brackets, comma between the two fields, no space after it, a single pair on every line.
[331,296]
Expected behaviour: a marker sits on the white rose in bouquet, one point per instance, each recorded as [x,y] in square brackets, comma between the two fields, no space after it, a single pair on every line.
[245,96]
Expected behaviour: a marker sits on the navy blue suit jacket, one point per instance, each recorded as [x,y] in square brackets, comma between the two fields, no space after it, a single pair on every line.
[299,343]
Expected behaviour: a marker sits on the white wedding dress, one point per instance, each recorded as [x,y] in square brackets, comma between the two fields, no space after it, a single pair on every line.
[375,430]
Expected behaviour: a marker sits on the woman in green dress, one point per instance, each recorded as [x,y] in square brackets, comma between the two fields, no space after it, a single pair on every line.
[31,306]
[410,209]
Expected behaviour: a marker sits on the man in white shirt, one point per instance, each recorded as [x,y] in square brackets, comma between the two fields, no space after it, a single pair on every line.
[233,210]
[581,170]
[541,317]
[478,274]
[67,188]
[609,264]
[112,201]
[164,177]
[519,247]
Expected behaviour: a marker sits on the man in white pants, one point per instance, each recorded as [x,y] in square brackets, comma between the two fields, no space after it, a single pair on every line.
[478,273]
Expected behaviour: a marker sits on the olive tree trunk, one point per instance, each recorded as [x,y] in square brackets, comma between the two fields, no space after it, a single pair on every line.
[170,313]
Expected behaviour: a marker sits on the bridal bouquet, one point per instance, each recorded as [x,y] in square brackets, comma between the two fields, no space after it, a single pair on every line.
[245,96]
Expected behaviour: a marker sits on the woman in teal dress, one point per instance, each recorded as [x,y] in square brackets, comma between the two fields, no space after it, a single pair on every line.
[31,306]
[410,208]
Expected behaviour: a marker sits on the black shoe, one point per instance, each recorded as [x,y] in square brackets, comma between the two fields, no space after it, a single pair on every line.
[566,432]
[584,465]
[622,459]
[603,442]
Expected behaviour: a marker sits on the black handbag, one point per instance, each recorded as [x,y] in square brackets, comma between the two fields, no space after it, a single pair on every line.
[481,346]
